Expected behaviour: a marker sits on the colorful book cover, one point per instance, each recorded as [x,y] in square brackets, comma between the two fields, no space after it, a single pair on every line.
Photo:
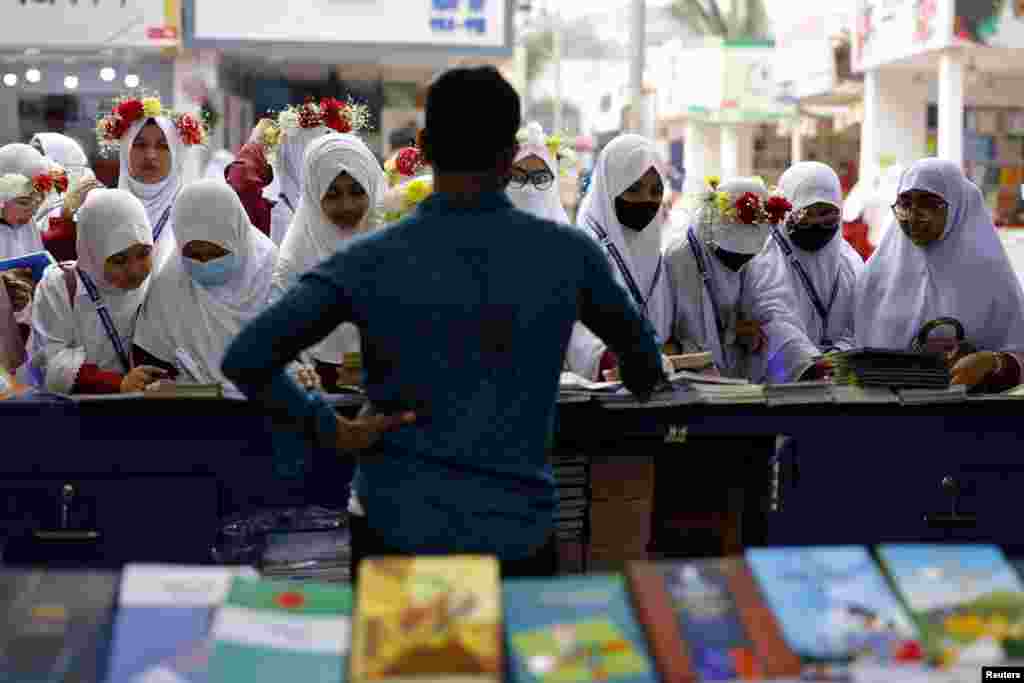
[575,630]
[37,262]
[161,634]
[432,618]
[834,604]
[967,600]
[277,631]
[58,626]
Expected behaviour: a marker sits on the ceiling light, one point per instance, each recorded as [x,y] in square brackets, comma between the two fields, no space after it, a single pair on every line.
[10,80]
[32,52]
[131,81]
[107,74]
[71,82]
[33,76]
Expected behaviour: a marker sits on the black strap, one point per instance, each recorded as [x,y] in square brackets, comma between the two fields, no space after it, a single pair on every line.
[159,227]
[823,312]
[287,202]
[641,302]
[698,255]
[108,323]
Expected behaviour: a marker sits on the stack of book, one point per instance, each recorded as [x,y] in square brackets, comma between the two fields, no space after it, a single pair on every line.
[322,555]
[729,394]
[847,393]
[572,480]
[798,393]
[889,368]
[956,393]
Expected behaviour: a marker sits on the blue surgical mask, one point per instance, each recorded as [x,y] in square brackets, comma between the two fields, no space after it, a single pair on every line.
[213,273]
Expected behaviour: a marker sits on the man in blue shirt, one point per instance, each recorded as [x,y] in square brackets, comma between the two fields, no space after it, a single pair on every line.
[464,309]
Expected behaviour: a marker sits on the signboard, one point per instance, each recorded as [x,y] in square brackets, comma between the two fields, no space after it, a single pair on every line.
[995,23]
[891,30]
[804,62]
[750,93]
[88,24]
[482,26]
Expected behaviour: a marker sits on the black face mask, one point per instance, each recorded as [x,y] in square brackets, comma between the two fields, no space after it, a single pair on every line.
[636,215]
[813,238]
[732,260]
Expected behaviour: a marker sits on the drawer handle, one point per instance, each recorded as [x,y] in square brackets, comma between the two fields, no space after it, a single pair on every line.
[953,520]
[66,535]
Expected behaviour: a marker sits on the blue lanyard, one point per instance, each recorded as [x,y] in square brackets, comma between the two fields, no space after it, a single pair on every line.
[159,227]
[108,323]
[641,302]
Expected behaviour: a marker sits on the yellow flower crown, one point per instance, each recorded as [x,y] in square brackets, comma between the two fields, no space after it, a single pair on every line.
[112,127]
[748,207]
[402,199]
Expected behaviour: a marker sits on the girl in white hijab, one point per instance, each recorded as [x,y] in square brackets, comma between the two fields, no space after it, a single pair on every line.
[534,185]
[942,258]
[821,269]
[623,212]
[83,317]
[706,271]
[19,201]
[152,158]
[342,189]
[288,174]
[220,281]
[56,224]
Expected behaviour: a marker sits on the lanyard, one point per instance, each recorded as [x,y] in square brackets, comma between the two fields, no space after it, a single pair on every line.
[698,256]
[287,202]
[823,312]
[104,314]
[159,227]
[641,302]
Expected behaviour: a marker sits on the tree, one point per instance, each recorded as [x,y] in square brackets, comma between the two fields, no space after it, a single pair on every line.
[745,19]
[540,48]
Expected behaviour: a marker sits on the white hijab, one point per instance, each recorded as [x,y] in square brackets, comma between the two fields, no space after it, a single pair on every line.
[18,240]
[288,176]
[695,326]
[804,184]
[181,313]
[313,238]
[965,274]
[69,154]
[547,203]
[65,336]
[158,198]
[622,162]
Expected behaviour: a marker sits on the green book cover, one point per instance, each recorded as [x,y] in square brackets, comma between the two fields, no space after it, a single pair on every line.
[282,630]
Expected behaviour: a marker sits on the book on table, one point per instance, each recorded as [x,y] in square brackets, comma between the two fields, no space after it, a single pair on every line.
[37,262]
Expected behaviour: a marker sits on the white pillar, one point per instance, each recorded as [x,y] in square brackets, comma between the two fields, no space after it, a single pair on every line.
[694,155]
[870,127]
[730,146]
[745,150]
[796,141]
[951,107]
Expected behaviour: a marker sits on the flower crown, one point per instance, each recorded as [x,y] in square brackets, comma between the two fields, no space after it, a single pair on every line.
[747,208]
[556,144]
[111,127]
[341,117]
[404,164]
[402,199]
[14,185]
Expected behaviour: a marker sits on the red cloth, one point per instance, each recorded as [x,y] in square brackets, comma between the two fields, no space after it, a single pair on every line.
[92,380]
[248,175]
[609,361]
[59,239]
[856,233]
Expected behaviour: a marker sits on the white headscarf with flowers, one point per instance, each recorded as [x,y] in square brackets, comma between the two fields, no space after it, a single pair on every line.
[158,198]
[547,203]
[19,163]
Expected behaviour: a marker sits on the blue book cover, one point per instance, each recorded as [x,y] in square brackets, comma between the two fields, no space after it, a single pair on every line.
[57,625]
[574,630]
[37,262]
[833,603]
[163,624]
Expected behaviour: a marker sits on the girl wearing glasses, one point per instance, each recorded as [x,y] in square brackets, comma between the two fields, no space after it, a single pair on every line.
[944,261]
[819,266]
[533,185]
[623,213]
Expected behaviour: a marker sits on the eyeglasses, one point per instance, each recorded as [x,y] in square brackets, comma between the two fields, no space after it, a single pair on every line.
[542,179]
[903,209]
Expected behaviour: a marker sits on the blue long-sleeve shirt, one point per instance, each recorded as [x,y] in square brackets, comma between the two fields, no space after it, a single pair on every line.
[464,315]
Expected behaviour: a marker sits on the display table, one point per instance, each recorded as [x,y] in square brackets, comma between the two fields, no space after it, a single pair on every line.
[148,480]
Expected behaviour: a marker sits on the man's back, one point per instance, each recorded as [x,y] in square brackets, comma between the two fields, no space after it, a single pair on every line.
[465,317]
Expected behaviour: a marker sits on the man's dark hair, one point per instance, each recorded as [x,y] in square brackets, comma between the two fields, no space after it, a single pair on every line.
[472,117]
